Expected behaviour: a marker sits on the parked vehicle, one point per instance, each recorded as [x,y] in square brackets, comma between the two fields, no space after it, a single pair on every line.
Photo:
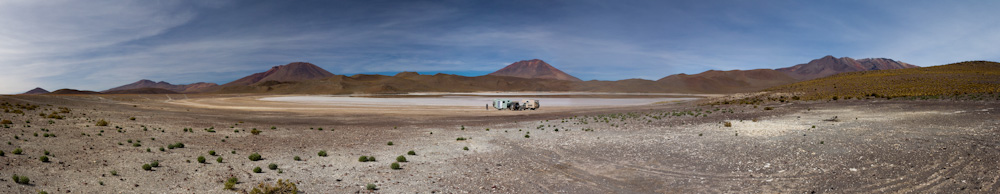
[530,104]
[506,104]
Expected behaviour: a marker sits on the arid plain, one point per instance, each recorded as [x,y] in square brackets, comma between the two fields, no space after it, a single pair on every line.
[936,146]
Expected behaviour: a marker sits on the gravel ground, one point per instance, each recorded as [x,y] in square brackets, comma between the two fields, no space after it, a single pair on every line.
[873,146]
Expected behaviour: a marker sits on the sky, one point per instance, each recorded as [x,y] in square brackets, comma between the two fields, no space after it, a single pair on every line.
[96,45]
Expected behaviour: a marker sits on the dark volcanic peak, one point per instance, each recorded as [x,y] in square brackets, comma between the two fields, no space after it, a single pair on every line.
[830,65]
[37,91]
[534,69]
[145,83]
[297,71]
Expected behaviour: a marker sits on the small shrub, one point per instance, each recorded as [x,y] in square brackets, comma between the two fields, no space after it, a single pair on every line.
[1,153]
[257,170]
[370,187]
[201,159]
[412,153]
[272,166]
[321,153]
[768,108]
[371,158]
[155,163]
[401,159]
[162,150]
[527,136]
[17,151]
[363,159]
[283,186]
[460,139]
[46,152]
[211,152]
[114,173]
[101,122]
[44,158]
[272,127]
[219,159]
[24,180]
[147,167]
[465,148]
[728,124]
[131,118]
[255,131]
[394,166]
[390,143]
[254,157]
[230,183]
[297,158]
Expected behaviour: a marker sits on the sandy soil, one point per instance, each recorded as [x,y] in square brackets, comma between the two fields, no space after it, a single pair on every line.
[874,146]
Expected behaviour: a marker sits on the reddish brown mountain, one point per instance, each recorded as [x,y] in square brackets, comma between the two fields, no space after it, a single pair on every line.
[73,91]
[297,71]
[189,88]
[830,65]
[534,69]
[37,91]
[733,81]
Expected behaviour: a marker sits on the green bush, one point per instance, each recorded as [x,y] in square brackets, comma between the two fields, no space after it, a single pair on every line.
[114,173]
[370,187]
[394,166]
[24,180]
[147,167]
[44,158]
[321,153]
[401,159]
[297,158]
[282,187]
[272,127]
[728,124]
[412,153]
[257,170]
[254,157]
[230,183]
[465,148]
[272,166]
[211,152]
[363,159]
[460,139]
[219,159]
[46,152]
[201,159]
[371,158]
[101,122]
[17,151]
[390,143]
[155,163]
[255,131]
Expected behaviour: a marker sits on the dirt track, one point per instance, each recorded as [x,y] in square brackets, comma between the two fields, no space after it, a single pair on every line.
[876,146]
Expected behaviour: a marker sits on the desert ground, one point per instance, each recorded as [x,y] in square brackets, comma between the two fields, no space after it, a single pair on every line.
[654,146]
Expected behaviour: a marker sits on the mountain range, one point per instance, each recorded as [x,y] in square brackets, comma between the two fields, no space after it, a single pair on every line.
[527,75]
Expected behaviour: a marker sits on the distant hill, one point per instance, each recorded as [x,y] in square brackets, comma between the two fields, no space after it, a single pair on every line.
[726,81]
[189,88]
[37,91]
[971,77]
[73,91]
[534,69]
[297,71]
[142,91]
[830,65]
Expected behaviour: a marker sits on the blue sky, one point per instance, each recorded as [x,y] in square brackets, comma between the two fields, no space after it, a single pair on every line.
[95,45]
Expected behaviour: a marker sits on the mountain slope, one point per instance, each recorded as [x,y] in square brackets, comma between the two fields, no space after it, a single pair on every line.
[830,65]
[37,91]
[534,68]
[297,71]
[726,81]
[189,88]
[952,79]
